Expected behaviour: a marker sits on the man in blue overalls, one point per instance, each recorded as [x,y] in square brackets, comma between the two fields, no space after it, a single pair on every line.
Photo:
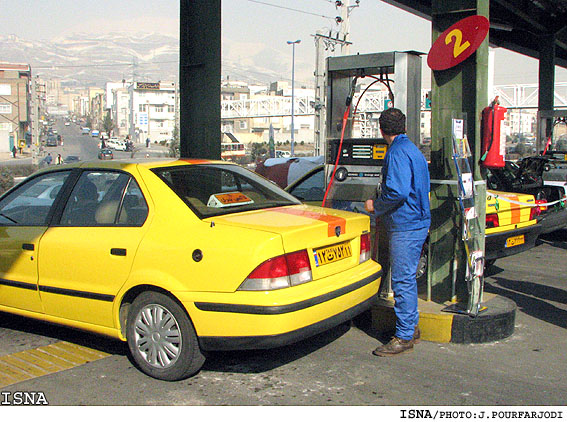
[403,206]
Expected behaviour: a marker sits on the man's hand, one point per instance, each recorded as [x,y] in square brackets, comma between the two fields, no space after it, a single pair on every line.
[369,205]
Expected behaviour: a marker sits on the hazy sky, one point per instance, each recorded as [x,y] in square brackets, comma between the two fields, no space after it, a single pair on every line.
[248,24]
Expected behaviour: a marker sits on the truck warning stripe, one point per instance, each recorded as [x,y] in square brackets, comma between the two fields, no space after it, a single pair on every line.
[331,220]
[45,360]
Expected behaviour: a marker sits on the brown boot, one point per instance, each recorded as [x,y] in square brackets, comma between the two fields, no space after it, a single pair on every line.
[416,335]
[394,347]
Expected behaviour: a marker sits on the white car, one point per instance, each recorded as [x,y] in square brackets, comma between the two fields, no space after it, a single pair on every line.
[116,144]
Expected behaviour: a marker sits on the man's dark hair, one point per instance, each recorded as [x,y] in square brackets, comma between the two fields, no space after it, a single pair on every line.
[392,122]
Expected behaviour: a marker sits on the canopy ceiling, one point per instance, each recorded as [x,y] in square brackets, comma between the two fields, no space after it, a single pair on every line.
[516,25]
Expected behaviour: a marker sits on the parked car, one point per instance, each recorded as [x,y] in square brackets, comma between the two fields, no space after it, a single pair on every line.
[511,227]
[105,154]
[51,141]
[85,131]
[538,176]
[181,257]
[71,159]
[116,144]
[94,133]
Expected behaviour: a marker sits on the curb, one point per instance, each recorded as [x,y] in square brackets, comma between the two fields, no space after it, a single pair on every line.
[493,324]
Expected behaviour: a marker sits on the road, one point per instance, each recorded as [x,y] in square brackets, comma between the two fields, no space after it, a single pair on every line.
[84,146]
[337,367]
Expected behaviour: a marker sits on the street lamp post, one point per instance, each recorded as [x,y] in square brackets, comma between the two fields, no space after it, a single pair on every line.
[293,92]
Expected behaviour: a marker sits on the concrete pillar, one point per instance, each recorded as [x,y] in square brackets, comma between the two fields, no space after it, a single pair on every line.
[546,84]
[199,78]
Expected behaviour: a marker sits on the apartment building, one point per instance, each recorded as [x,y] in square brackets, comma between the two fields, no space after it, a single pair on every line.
[152,111]
[121,111]
[14,103]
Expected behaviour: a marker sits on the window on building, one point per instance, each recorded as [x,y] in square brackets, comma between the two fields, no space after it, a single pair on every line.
[142,107]
[158,109]
[5,108]
[243,124]
[170,109]
[5,89]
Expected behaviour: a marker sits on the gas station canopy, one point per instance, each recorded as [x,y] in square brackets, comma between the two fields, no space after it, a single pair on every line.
[516,25]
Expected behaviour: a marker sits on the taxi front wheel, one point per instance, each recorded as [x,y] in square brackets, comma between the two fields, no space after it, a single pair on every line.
[161,338]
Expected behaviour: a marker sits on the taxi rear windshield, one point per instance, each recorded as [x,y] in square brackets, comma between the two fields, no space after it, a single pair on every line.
[217,189]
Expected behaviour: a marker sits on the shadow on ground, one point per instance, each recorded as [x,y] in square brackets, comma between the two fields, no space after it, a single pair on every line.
[53,331]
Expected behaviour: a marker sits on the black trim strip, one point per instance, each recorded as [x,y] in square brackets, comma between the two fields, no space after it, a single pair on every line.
[76,293]
[283,309]
[278,340]
[19,284]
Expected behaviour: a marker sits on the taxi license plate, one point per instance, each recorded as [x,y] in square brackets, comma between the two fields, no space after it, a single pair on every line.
[332,253]
[515,241]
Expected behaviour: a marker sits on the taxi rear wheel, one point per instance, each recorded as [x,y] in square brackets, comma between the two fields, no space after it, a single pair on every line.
[161,338]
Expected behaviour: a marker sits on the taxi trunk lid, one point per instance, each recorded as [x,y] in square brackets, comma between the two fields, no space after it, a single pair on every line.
[331,237]
[514,209]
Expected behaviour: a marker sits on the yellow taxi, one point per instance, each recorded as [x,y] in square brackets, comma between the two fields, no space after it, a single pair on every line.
[180,257]
[511,224]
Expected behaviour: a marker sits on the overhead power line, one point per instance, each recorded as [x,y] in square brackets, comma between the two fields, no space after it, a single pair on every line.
[293,10]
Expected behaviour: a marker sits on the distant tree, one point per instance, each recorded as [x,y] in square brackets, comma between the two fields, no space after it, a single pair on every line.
[259,149]
[107,123]
[521,149]
[174,145]
[6,179]
[89,122]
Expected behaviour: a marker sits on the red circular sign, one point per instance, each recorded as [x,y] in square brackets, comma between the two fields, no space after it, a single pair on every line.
[458,42]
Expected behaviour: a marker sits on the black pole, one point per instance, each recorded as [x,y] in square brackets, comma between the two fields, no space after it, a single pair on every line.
[199,78]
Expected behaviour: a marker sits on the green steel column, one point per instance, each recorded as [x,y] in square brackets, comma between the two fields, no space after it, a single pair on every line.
[458,92]
[199,78]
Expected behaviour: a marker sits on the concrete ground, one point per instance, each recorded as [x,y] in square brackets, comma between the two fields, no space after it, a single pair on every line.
[337,367]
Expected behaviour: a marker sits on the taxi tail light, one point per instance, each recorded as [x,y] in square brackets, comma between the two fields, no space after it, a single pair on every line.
[537,210]
[492,221]
[282,271]
[364,248]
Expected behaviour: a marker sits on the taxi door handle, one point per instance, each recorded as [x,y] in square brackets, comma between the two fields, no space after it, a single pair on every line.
[28,246]
[118,251]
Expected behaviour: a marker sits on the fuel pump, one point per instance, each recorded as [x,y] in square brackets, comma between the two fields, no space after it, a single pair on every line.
[353,165]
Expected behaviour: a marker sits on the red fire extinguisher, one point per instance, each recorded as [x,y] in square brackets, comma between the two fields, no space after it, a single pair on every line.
[493,148]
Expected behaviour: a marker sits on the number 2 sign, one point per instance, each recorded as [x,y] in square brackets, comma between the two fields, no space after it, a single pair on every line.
[458,42]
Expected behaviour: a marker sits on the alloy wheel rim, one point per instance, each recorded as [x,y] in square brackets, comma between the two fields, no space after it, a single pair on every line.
[157,336]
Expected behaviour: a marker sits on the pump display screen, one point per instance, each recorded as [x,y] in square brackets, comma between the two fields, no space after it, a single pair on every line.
[358,151]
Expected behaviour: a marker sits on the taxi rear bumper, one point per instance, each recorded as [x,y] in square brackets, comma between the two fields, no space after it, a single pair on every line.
[264,327]
[495,244]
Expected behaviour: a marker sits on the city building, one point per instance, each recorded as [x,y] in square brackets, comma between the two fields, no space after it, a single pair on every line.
[152,111]
[121,111]
[14,104]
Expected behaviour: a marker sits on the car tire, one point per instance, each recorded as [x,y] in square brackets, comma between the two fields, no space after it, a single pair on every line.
[161,338]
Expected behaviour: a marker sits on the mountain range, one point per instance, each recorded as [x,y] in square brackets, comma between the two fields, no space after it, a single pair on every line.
[81,60]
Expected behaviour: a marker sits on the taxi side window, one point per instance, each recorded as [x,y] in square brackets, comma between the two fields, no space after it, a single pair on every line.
[134,210]
[30,204]
[105,198]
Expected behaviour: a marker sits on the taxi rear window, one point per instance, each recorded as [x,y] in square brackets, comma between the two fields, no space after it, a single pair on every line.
[217,189]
